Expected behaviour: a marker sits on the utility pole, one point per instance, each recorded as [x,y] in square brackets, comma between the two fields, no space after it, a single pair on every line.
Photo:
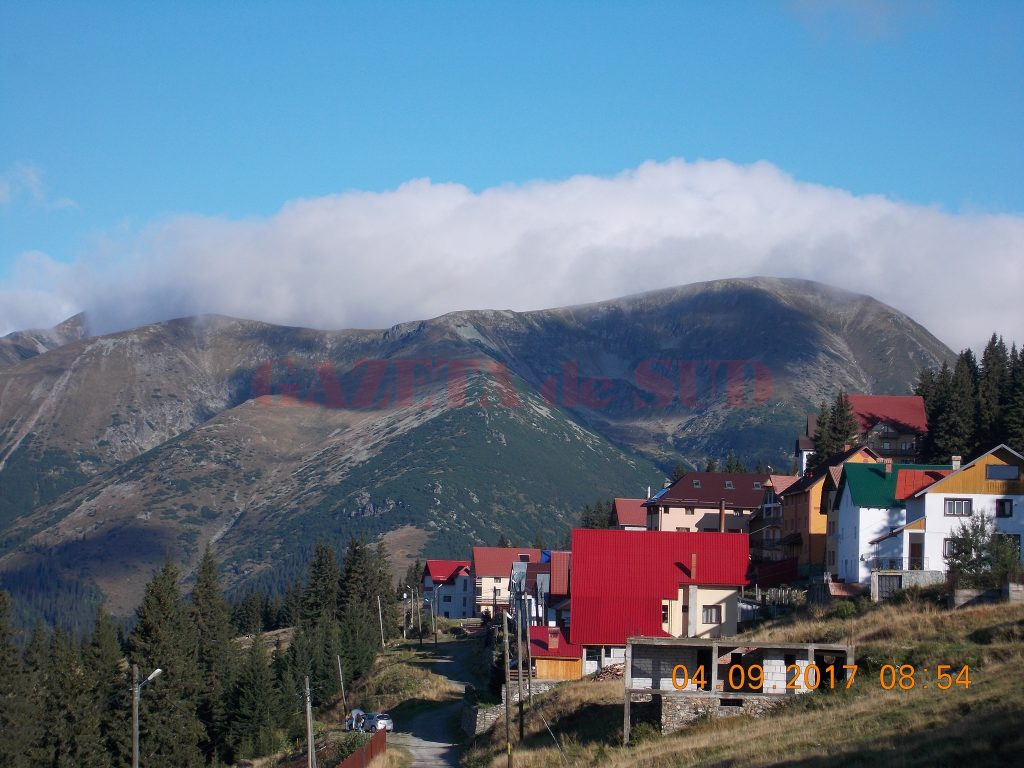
[341,679]
[136,695]
[529,665]
[519,667]
[310,747]
[508,689]
[136,691]
[419,615]
[380,615]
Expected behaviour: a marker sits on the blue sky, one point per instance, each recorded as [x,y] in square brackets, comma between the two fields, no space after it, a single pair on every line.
[118,117]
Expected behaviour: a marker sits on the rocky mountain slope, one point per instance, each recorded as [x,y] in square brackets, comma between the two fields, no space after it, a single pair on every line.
[117,449]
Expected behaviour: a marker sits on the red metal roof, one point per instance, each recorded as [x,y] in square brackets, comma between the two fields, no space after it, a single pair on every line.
[497,561]
[910,481]
[539,645]
[445,571]
[561,563]
[898,410]
[619,578]
[631,512]
[781,482]
[707,489]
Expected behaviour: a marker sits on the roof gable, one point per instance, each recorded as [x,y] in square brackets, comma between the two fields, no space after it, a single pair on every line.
[497,561]
[630,512]
[620,578]
[905,411]
[872,487]
[1001,454]
[446,571]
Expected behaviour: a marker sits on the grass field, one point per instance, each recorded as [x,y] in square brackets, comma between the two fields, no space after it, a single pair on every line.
[979,725]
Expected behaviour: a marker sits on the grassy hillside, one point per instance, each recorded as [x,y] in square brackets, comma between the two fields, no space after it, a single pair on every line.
[866,726]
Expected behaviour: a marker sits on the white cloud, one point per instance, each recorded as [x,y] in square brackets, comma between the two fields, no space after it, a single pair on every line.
[373,259]
[25,181]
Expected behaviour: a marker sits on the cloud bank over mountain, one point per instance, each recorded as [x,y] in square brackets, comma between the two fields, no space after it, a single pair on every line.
[362,259]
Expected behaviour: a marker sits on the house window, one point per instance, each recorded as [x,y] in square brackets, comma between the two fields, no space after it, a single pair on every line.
[1004,507]
[524,558]
[664,613]
[1002,472]
[712,614]
[728,485]
[906,447]
[479,591]
[948,547]
[463,602]
[446,599]
[958,507]
[696,483]
[886,445]
[593,654]
[757,486]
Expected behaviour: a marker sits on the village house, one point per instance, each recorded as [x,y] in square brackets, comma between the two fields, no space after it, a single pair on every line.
[938,502]
[554,657]
[892,426]
[868,504]
[491,569]
[707,501]
[804,524]
[630,514]
[653,583]
[766,522]
[446,586]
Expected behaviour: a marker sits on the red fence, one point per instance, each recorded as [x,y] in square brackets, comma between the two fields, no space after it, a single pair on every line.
[361,758]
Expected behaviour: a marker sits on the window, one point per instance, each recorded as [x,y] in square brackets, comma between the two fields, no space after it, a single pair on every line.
[1004,507]
[479,591]
[958,507]
[905,446]
[592,654]
[1002,472]
[712,614]
[446,599]
[524,558]
[886,445]
[696,483]
[465,585]
[948,547]
[757,486]
[728,485]
[664,613]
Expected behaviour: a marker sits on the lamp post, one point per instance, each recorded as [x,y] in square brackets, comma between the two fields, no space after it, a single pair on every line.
[136,694]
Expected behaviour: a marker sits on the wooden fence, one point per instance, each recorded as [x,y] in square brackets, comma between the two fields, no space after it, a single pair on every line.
[377,745]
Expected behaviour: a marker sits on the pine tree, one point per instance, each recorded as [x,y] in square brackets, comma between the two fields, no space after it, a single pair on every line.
[38,665]
[384,579]
[711,466]
[761,468]
[844,427]
[18,714]
[73,736]
[733,464]
[253,725]
[955,430]
[503,541]
[1013,414]
[215,654]
[824,440]
[106,669]
[164,637]
[993,387]
[320,598]
[679,471]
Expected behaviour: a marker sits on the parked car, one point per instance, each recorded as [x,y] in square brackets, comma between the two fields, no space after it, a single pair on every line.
[380,721]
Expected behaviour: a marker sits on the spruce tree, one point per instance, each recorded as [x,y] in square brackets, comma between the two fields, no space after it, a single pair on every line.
[108,672]
[384,580]
[164,637]
[955,430]
[320,598]
[711,466]
[253,726]
[38,666]
[73,734]
[678,472]
[215,654]
[824,441]
[843,425]
[18,715]
[1013,414]
[733,464]
[993,387]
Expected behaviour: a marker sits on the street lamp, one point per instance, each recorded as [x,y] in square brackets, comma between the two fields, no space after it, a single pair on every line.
[136,694]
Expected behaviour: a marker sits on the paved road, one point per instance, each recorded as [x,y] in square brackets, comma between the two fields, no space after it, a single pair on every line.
[427,735]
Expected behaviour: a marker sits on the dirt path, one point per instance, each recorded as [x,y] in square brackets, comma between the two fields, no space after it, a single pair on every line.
[428,734]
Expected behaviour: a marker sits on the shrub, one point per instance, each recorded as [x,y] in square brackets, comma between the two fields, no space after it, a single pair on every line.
[843,609]
[642,732]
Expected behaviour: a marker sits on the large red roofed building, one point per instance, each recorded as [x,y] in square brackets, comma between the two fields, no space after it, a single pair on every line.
[491,570]
[447,585]
[652,583]
[892,426]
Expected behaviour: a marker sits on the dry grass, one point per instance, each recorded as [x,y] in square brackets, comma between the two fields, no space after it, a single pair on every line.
[395,757]
[867,726]
[399,675]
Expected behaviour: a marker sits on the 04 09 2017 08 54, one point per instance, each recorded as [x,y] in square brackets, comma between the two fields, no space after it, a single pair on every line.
[751,678]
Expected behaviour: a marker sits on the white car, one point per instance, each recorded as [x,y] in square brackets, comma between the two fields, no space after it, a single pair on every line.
[380,721]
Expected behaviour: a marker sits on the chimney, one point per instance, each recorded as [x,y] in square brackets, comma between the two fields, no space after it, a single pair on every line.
[888,466]
[648,491]
[955,461]
[553,633]
[721,516]
[693,566]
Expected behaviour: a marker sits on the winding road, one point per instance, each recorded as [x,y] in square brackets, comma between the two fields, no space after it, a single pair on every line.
[427,734]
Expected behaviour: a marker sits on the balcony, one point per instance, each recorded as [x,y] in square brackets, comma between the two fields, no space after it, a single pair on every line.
[898,563]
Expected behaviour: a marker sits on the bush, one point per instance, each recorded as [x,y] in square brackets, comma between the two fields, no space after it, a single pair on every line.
[642,732]
[843,609]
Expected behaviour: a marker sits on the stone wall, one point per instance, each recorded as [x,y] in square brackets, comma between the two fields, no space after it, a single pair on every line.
[967,597]
[1013,592]
[677,712]
[477,719]
[908,579]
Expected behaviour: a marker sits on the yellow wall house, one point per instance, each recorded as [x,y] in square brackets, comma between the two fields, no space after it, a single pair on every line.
[804,522]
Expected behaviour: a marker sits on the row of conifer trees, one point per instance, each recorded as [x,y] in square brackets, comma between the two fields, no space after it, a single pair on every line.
[220,697]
